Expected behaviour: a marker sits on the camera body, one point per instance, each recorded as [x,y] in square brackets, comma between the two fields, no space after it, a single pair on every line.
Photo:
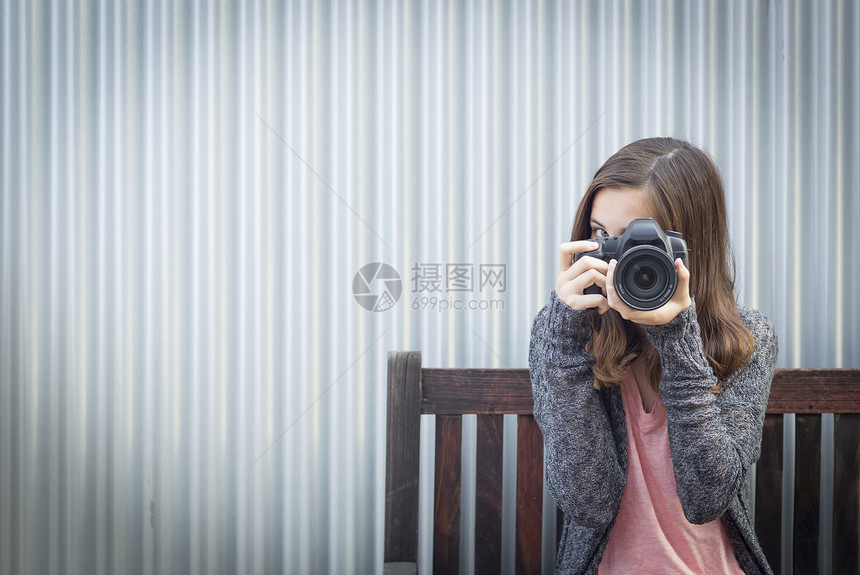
[645,276]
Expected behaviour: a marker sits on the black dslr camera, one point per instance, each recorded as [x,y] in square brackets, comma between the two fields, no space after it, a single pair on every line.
[645,276]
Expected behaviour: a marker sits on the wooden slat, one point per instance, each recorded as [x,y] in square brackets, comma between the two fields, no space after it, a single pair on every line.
[815,391]
[481,391]
[529,495]
[807,492]
[488,494]
[446,513]
[401,456]
[768,499]
[485,391]
[846,493]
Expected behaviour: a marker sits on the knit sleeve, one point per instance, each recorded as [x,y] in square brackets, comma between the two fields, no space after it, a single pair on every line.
[713,438]
[583,472]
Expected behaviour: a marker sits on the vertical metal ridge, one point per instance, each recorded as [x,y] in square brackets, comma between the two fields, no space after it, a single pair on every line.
[6,299]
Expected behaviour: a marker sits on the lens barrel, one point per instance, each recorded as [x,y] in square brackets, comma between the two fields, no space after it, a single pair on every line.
[645,277]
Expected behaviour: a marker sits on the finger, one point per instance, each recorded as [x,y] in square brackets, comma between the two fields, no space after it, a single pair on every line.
[594,301]
[581,266]
[682,292]
[587,279]
[574,298]
[567,250]
[610,278]
[576,285]
[683,272]
[612,298]
[603,307]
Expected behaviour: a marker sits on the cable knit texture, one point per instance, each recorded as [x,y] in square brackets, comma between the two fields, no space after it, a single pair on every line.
[713,438]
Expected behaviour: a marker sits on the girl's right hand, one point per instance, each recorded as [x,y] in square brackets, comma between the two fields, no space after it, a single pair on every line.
[574,277]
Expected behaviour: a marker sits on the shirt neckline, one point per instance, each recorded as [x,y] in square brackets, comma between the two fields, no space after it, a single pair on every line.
[631,395]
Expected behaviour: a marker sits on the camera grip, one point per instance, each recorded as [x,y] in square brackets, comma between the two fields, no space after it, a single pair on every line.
[592,289]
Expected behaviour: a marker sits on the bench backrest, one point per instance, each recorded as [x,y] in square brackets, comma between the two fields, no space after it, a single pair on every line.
[492,393]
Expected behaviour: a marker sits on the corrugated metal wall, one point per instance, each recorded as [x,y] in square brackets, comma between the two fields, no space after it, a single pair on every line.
[187,383]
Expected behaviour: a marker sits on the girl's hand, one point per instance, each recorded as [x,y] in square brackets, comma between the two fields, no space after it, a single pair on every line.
[662,315]
[574,277]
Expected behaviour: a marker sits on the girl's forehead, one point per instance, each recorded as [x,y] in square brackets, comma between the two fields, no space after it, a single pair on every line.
[614,208]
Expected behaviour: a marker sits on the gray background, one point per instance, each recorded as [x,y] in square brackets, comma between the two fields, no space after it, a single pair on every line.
[187,384]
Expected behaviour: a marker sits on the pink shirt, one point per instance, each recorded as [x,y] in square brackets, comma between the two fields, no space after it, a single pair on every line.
[651,534]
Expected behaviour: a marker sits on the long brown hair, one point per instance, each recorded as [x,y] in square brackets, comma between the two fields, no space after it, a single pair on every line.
[684,192]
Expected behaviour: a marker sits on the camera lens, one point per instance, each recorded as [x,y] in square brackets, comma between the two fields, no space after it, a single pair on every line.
[645,278]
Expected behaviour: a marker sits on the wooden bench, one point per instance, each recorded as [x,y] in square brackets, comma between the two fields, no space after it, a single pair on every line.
[491,393]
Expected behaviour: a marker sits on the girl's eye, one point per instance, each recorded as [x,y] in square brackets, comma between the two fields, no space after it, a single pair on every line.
[599,233]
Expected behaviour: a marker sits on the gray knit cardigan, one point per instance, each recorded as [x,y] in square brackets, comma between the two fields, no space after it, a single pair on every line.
[713,438]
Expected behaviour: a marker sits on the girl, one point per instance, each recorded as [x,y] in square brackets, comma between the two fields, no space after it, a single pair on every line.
[652,419]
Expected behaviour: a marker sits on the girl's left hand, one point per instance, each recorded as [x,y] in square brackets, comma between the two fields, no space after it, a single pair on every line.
[662,315]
